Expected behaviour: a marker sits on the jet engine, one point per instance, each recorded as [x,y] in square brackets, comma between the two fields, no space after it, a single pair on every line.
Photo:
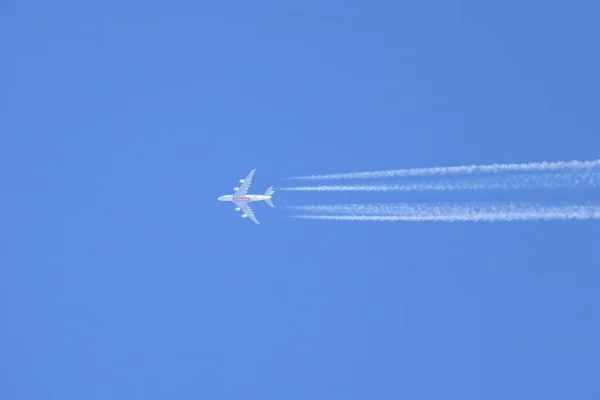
[244,215]
[242,181]
[237,209]
[235,189]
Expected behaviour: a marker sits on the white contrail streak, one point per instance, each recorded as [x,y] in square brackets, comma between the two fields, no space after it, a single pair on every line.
[452,218]
[477,212]
[528,181]
[461,170]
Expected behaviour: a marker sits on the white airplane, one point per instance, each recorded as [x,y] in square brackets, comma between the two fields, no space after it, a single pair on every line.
[241,198]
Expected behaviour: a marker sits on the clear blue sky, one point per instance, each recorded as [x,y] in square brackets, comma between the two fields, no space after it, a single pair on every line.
[122,277]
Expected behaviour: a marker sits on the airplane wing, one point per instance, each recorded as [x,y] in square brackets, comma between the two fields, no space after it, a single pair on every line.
[248,211]
[243,190]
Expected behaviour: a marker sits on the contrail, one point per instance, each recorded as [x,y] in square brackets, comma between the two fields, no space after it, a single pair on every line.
[460,170]
[528,181]
[448,212]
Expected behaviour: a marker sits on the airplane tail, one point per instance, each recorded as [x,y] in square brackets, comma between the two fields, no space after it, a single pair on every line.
[269,192]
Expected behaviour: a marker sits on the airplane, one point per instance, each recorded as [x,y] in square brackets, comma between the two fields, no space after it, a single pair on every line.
[241,198]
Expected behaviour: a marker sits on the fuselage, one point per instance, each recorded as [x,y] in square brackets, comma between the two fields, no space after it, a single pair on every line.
[243,199]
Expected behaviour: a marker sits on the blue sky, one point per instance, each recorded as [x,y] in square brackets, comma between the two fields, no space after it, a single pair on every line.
[122,277]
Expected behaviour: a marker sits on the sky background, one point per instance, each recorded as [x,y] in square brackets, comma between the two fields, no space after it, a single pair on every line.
[122,277]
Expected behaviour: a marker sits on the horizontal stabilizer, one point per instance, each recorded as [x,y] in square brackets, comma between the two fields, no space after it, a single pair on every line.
[269,192]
